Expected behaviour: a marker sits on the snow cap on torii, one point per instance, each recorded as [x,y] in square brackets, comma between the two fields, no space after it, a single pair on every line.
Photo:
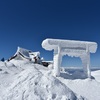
[61,47]
[50,44]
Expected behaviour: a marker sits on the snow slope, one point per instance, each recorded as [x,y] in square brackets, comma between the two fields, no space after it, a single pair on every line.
[96,75]
[89,88]
[35,82]
[24,80]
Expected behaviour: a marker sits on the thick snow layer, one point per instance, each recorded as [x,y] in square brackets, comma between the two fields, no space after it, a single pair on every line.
[50,44]
[89,88]
[25,80]
[8,67]
[96,75]
[33,84]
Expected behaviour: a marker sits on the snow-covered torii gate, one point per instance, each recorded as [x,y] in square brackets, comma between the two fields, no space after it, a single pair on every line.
[72,48]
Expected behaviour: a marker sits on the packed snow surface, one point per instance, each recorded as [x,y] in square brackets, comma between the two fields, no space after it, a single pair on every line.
[24,80]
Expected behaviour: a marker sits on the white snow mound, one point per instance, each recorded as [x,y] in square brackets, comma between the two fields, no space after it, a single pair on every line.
[33,84]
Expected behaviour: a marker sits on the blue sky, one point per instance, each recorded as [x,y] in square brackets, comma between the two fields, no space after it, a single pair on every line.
[26,23]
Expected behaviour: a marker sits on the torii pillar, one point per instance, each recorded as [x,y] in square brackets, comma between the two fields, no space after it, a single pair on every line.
[86,62]
[57,59]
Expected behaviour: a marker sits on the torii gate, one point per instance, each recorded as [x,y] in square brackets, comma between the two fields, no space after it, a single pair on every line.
[72,48]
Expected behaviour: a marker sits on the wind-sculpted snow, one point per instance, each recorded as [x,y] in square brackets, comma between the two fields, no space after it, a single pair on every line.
[33,84]
[8,67]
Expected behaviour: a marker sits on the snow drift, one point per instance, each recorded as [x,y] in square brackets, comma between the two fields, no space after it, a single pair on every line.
[21,80]
[33,84]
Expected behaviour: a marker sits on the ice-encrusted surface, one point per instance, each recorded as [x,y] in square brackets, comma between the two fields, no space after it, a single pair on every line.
[50,44]
[23,51]
[27,53]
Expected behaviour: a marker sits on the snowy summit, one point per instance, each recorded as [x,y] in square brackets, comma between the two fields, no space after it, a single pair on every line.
[25,75]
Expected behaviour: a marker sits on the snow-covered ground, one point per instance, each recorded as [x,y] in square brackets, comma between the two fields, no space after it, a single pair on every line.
[24,80]
[85,87]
